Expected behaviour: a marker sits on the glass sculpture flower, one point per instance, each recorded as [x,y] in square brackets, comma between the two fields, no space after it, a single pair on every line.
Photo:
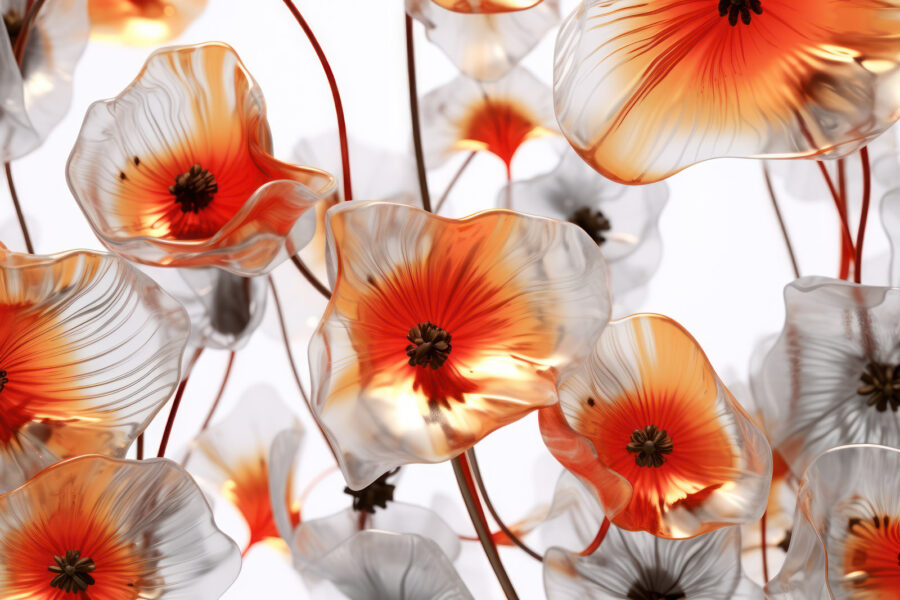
[37,97]
[197,186]
[233,458]
[647,422]
[623,220]
[90,350]
[644,89]
[141,22]
[488,44]
[105,529]
[846,539]
[828,380]
[497,117]
[487,6]
[440,330]
[639,566]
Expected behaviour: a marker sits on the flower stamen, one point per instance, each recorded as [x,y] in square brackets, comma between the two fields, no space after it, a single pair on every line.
[734,8]
[430,345]
[881,383]
[378,493]
[593,222]
[72,572]
[639,592]
[194,189]
[649,445]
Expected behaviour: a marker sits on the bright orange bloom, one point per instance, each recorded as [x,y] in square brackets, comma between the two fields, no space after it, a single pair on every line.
[486,6]
[106,529]
[644,88]
[439,331]
[872,548]
[90,350]
[664,444]
[141,22]
[196,185]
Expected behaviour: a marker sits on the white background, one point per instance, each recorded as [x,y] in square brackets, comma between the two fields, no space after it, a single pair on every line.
[722,273]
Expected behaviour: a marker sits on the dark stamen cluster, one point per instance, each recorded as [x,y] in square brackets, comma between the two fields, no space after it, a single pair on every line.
[594,223]
[194,189]
[430,345]
[742,8]
[378,493]
[640,592]
[649,445]
[881,383]
[72,572]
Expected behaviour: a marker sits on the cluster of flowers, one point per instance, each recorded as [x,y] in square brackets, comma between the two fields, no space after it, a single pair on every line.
[440,331]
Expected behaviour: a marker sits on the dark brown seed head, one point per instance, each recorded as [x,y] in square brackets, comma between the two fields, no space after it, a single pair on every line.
[72,572]
[378,493]
[194,189]
[430,345]
[739,8]
[649,446]
[593,222]
[881,386]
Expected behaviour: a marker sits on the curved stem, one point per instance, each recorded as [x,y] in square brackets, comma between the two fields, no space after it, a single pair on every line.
[476,514]
[846,238]
[335,95]
[164,442]
[476,473]
[598,539]
[864,212]
[765,558]
[31,14]
[781,224]
[312,279]
[215,404]
[15,200]
[453,181]
[414,115]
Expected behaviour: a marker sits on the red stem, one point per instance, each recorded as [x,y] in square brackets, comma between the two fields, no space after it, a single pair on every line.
[601,534]
[846,257]
[176,403]
[864,212]
[846,238]
[762,539]
[312,279]
[215,403]
[336,96]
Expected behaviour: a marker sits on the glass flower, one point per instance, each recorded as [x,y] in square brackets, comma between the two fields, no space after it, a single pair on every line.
[233,457]
[639,566]
[828,380]
[197,186]
[486,45]
[105,529]
[142,22]
[846,536]
[890,220]
[497,117]
[644,89]
[647,422]
[623,220]
[440,330]
[37,97]
[90,350]
[486,6]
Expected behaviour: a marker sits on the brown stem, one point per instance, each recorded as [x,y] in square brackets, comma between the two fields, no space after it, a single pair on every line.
[864,212]
[31,14]
[846,238]
[312,279]
[781,224]
[476,514]
[15,200]
[414,115]
[335,95]
[453,182]
[164,442]
[762,538]
[215,404]
[476,473]
[140,447]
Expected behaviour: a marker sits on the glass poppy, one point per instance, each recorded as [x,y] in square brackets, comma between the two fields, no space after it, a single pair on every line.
[141,22]
[486,6]
[649,425]
[198,185]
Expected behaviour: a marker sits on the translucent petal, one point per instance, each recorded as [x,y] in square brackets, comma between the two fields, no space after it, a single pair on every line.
[194,112]
[639,565]
[631,243]
[485,46]
[145,525]
[233,458]
[520,297]
[648,374]
[890,220]
[282,464]
[575,516]
[847,529]
[644,89]
[487,6]
[143,23]
[90,350]
[37,97]
[808,386]
[497,116]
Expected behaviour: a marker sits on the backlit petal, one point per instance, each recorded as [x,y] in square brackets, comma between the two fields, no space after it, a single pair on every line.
[141,23]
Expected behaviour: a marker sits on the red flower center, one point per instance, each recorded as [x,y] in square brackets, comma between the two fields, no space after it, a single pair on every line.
[872,556]
[499,126]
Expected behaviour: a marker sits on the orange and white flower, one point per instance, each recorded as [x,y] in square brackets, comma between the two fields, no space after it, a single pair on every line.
[141,22]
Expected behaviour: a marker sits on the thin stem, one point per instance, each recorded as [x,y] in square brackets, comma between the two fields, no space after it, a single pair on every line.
[15,200]
[312,279]
[140,447]
[25,32]
[846,239]
[765,558]
[453,181]
[414,115]
[781,224]
[864,212]
[844,268]
[476,473]
[598,539]
[508,199]
[164,442]
[215,404]
[476,514]
[322,476]
[335,95]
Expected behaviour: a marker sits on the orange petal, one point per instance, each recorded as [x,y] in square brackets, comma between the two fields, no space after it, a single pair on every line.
[141,22]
